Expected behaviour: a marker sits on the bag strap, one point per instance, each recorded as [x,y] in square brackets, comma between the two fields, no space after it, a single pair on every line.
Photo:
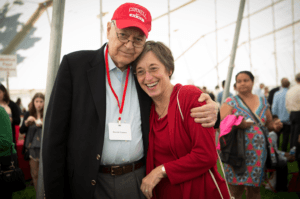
[257,120]
[212,175]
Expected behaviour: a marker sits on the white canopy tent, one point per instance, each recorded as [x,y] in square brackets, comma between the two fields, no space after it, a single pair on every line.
[189,27]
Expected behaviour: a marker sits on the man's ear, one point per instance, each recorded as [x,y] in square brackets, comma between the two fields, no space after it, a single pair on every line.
[108,29]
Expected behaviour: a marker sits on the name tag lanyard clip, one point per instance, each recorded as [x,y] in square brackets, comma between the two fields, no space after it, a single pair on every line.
[113,91]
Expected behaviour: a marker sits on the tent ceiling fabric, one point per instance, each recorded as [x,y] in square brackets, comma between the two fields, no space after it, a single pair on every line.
[192,21]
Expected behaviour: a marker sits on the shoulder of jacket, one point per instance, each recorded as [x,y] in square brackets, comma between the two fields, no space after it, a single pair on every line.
[82,53]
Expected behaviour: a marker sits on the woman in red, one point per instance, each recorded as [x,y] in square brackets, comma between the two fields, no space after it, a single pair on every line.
[182,157]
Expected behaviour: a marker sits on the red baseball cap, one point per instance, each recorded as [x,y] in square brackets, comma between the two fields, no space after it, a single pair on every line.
[133,15]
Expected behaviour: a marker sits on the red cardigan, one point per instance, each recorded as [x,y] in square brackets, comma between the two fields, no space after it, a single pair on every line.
[192,145]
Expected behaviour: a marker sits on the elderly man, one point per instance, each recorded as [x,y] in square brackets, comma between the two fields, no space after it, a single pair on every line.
[260,91]
[292,102]
[280,110]
[97,123]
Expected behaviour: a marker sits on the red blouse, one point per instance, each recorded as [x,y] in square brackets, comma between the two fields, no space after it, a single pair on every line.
[162,154]
[192,147]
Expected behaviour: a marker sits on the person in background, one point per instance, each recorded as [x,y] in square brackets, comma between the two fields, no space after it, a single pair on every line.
[266,92]
[181,153]
[260,91]
[20,106]
[271,96]
[6,143]
[15,114]
[220,94]
[216,90]
[297,157]
[23,131]
[279,109]
[255,145]
[234,88]
[292,103]
[204,89]
[4,101]
[212,96]
[279,178]
[33,130]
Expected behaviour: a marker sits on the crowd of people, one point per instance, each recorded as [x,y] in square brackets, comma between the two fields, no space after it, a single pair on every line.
[30,129]
[280,105]
[116,127]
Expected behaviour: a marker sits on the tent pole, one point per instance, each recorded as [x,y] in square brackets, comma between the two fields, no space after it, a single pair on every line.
[217,57]
[169,28]
[53,65]
[294,53]
[101,26]
[233,50]
[274,36]
[249,37]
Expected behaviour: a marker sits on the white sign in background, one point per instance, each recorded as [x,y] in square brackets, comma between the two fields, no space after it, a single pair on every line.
[8,64]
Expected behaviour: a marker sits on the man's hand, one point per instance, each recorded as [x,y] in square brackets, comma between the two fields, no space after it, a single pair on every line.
[151,180]
[207,114]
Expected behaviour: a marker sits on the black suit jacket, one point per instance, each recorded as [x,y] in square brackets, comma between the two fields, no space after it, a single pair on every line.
[74,125]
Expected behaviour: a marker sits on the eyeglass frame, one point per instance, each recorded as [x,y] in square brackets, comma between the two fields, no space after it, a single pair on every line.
[151,70]
[125,42]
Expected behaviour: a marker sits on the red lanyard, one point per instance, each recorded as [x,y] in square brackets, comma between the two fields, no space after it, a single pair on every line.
[109,82]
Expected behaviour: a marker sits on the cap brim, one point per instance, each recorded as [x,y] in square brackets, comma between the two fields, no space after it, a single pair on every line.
[131,23]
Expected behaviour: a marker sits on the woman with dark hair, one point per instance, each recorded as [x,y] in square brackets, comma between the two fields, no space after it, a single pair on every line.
[32,126]
[255,145]
[20,106]
[14,113]
[182,157]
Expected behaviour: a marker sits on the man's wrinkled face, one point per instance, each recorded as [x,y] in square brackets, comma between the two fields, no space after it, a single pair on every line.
[121,53]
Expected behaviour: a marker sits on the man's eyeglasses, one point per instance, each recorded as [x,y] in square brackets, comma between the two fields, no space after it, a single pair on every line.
[123,37]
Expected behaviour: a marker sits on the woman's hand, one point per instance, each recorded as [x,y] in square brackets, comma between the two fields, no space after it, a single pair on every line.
[30,120]
[244,124]
[206,114]
[151,180]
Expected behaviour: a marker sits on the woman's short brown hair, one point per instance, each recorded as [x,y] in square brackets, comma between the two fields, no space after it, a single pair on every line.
[161,51]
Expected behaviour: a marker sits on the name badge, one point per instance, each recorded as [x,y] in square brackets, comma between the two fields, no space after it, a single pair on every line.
[119,132]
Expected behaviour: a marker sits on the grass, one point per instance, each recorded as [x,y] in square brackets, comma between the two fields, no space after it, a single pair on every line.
[29,192]
[266,194]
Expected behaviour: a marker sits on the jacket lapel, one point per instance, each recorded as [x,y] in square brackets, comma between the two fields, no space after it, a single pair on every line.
[96,78]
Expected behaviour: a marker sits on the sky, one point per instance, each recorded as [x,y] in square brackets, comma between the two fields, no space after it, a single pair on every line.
[81,31]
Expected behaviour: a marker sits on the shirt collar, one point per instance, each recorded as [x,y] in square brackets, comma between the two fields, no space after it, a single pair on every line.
[111,64]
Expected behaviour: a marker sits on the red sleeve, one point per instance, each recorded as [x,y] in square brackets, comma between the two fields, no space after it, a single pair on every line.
[203,155]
